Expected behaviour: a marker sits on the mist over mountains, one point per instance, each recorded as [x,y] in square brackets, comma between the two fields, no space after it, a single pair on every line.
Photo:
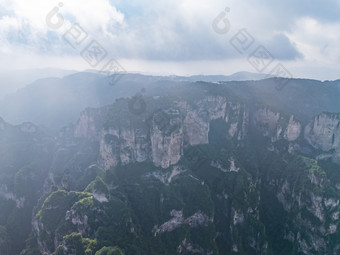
[181,127]
[56,102]
[13,80]
[170,165]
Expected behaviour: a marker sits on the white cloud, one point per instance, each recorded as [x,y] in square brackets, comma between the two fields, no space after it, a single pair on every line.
[172,35]
[317,41]
[29,18]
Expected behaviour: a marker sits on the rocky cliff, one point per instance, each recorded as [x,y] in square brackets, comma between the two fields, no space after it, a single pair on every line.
[323,133]
[199,171]
[162,135]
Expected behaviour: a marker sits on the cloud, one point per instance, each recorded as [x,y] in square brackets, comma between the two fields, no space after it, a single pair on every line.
[24,22]
[282,48]
[177,31]
[317,41]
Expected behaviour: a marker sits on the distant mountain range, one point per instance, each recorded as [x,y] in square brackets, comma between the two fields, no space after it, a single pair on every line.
[11,81]
[55,102]
[239,76]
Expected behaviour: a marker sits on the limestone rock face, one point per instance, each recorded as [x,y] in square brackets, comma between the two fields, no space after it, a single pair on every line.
[268,120]
[196,129]
[293,130]
[166,150]
[108,153]
[123,145]
[162,136]
[86,126]
[178,220]
[323,132]
[273,125]
[316,205]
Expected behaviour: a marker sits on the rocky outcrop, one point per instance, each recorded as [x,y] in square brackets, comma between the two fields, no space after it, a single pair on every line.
[164,134]
[167,177]
[87,126]
[166,140]
[177,220]
[293,130]
[7,195]
[323,133]
[317,207]
[186,246]
[267,121]
[274,125]
[196,129]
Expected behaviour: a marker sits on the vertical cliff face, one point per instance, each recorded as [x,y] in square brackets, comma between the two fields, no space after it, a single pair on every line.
[293,130]
[218,167]
[166,150]
[196,129]
[237,118]
[86,126]
[109,148]
[197,118]
[268,122]
[166,137]
[323,133]
[162,136]
[312,208]
[123,145]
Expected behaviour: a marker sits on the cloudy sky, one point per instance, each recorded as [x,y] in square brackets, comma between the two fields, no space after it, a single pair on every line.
[174,36]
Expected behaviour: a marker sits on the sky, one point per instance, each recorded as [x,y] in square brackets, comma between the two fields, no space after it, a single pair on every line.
[182,37]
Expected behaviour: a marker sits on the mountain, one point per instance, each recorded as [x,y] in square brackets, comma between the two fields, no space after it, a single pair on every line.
[13,80]
[239,76]
[180,168]
[55,102]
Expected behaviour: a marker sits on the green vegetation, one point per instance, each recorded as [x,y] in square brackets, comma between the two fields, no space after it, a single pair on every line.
[109,251]
[75,244]
[246,193]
